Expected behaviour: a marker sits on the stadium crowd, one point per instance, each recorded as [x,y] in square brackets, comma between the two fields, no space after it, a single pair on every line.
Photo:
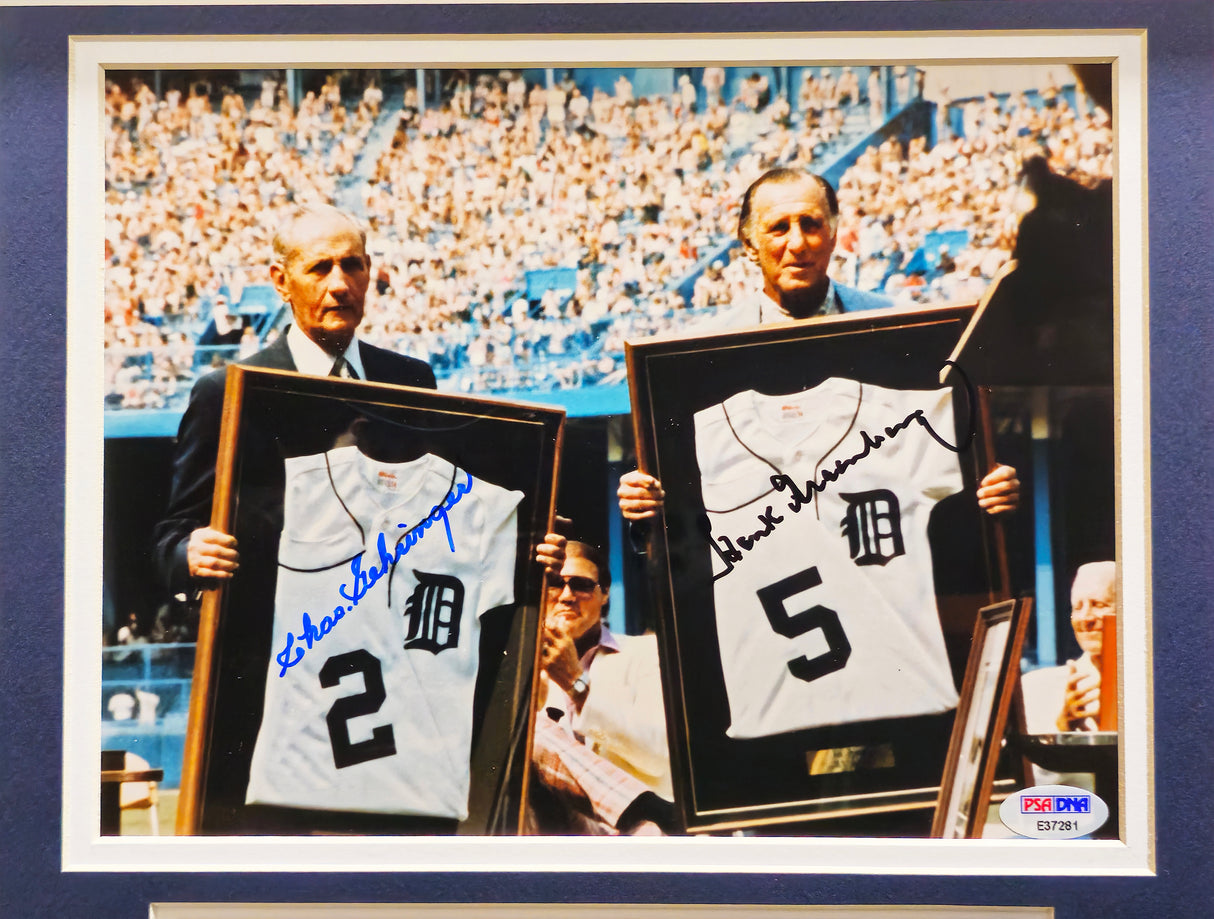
[631,196]
[188,188]
[627,191]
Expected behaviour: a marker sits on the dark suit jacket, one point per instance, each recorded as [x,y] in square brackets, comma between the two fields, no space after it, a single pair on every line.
[854,300]
[198,446]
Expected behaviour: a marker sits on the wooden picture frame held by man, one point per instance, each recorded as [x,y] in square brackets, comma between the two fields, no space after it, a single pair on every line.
[403,704]
[819,566]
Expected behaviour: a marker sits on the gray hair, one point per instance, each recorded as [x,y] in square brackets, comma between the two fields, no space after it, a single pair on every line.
[284,234]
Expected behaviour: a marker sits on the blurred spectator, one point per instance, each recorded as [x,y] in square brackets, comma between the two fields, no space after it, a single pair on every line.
[713,81]
[130,633]
[121,706]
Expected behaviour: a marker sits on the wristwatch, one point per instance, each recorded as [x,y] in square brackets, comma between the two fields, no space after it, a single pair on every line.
[581,685]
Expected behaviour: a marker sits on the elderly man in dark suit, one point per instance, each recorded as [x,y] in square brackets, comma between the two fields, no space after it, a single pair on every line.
[321,270]
[788,225]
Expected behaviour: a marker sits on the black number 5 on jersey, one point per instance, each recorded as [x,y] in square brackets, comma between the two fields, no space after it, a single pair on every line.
[838,648]
[381,742]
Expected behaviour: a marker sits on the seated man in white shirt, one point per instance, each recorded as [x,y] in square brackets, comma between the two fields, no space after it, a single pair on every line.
[1067,697]
[600,746]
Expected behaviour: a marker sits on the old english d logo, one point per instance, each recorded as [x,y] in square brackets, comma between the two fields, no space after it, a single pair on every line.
[434,610]
[873,526]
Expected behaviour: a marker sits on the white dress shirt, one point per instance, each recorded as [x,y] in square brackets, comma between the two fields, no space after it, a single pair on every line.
[312,359]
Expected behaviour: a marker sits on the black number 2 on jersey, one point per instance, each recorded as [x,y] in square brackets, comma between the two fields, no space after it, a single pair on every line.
[381,743]
[791,625]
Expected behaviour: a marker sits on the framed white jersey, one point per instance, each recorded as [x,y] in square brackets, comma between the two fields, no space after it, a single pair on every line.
[818,504]
[383,572]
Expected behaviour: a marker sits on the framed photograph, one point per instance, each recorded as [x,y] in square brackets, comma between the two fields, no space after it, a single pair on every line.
[552,334]
[72,533]
[991,677]
[524,339]
[820,562]
[386,611]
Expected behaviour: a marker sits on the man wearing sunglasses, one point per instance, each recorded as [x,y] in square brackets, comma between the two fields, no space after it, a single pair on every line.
[600,747]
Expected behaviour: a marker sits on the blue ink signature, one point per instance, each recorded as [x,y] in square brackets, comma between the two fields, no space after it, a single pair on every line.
[364,580]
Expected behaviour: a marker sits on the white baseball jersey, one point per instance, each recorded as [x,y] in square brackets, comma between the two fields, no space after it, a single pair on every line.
[384,571]
[826,613]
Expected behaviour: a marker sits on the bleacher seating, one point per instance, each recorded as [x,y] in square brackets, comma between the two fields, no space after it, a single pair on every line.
[626,199]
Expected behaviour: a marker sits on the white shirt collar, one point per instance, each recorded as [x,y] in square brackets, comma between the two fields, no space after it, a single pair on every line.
[312,359]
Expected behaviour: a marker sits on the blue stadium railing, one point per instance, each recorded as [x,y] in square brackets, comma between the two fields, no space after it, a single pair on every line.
[151,720]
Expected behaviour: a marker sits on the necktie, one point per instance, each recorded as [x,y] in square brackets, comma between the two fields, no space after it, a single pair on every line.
[342,368]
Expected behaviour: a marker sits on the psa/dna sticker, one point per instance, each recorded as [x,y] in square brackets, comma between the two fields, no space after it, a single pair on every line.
[1053,812]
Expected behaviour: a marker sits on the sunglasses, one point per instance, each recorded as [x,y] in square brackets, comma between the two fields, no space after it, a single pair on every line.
[578,585]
